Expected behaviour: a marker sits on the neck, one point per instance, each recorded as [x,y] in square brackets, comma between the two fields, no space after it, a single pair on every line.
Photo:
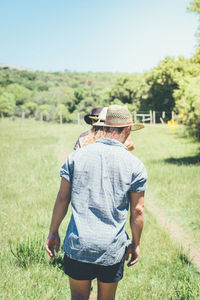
[115,136]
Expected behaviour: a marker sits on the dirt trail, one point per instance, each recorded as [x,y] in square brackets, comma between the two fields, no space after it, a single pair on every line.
[176,233]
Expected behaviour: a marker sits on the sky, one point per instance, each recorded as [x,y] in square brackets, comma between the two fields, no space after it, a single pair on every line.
[95,36]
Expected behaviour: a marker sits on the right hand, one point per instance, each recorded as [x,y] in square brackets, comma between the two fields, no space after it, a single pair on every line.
[52,243]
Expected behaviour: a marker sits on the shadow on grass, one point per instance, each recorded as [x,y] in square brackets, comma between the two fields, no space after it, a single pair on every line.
[57,262]
[188,160]
[185,260]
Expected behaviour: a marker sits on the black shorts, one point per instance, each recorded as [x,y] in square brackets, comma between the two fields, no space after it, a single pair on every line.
[86,271]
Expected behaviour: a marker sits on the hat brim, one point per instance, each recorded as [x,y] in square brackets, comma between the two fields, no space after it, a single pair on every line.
[134,127]
[100,122]
[94,117]
[88,118]
[137,126]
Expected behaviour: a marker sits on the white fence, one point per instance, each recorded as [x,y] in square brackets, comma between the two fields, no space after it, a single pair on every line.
[153,117]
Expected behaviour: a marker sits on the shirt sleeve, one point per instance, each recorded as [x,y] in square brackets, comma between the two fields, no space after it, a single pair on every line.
[139,179]
[78,142]
[66,170]
[77,145]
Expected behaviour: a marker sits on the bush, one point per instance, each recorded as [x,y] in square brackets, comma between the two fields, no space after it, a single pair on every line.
[30,108]
[188,104]
[7,104]
[62,113]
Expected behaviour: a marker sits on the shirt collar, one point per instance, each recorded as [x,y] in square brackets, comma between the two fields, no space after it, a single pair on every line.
[110,142]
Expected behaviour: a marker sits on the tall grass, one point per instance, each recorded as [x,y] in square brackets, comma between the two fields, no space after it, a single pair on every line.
[31,156]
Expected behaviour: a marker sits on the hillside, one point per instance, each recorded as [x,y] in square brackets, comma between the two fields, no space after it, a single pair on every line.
[173,85]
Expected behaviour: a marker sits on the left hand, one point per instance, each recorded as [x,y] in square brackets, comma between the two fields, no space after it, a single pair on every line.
[135,252]
[53,242]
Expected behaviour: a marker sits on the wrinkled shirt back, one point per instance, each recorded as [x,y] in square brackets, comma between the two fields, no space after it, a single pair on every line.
[102,175]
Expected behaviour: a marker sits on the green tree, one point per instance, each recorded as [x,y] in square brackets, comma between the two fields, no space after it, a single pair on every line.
[194,6]
[61,94]
[130,90]
[62,113]
[122,90]
[29,108]
[5,77]
[44,109]
[73,103]
[164,79]
[86,105]
[7,104]
[78,96]
[117,102]
[21,93]
[188,104]
[196,56]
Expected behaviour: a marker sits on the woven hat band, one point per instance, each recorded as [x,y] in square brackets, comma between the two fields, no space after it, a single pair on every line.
[119,124]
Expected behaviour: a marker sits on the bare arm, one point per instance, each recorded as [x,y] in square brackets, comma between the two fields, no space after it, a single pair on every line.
[136,224]
[59,212]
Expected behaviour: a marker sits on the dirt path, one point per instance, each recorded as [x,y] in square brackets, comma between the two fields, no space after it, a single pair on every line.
[176,233]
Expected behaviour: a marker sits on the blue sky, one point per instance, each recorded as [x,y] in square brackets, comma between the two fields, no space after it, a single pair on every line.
[98,36]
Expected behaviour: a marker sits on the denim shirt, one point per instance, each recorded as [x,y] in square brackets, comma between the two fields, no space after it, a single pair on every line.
[102,174]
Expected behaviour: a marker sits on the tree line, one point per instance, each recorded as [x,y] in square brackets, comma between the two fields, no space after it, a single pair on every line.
[174,84]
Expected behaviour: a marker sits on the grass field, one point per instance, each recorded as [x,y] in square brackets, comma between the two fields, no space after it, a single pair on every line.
[173,163]
[30,158]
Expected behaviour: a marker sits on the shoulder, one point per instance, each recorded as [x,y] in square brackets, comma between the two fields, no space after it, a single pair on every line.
[81,136]
[134,162]
[85,133]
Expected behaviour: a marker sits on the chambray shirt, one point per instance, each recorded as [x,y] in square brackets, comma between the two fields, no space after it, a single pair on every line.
[102,174]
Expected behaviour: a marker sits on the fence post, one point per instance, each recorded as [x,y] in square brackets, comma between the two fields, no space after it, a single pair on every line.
[78,118]
[162,121]
[135,117]
[143,118]
[151,118]
[154,117]
[61,120]
[173,115]
[41,117]
[163,114]
[23,116]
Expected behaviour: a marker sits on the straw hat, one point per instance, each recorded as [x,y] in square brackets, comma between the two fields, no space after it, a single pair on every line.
[94,113]
[120,116]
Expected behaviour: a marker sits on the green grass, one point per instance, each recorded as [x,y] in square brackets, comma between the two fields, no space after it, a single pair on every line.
[31,156]
[173,164]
